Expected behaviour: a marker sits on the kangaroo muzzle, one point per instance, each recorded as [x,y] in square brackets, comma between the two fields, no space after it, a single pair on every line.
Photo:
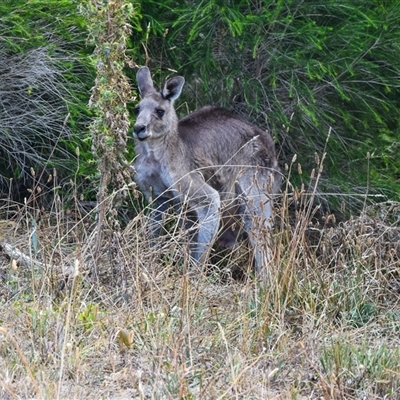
[140,132]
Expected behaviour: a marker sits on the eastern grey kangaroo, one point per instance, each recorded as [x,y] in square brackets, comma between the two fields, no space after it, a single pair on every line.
[215,165]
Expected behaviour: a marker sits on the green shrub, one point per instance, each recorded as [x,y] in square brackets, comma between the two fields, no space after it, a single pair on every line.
[301,69]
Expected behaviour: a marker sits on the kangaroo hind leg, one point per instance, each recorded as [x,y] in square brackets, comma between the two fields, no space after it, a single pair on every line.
[258,217]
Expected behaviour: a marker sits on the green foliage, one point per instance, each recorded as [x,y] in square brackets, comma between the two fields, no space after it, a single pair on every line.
[29,24]
[300,69]
[354,365]
[88,316]
[46,82]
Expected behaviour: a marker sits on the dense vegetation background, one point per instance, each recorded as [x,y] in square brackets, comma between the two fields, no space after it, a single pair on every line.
[44,86]
[322,76]
[301,69]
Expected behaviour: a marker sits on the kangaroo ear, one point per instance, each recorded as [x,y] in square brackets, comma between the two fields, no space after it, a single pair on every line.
[173,88]
[145,83]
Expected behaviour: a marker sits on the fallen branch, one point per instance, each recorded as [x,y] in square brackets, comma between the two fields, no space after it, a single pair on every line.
[19,258]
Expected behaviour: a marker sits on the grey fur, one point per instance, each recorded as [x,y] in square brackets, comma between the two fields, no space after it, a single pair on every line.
[221,168]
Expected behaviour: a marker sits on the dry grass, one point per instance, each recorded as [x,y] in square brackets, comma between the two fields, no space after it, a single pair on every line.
[325,325]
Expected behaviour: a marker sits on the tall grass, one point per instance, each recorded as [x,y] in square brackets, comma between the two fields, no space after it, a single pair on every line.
[325,325]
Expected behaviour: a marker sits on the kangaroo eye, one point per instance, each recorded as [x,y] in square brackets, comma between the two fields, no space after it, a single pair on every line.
[136,111]
[160,112]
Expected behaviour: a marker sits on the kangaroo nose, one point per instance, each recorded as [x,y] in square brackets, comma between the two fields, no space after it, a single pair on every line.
[140,131]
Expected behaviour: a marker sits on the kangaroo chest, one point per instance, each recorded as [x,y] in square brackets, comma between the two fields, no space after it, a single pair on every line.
[152,176]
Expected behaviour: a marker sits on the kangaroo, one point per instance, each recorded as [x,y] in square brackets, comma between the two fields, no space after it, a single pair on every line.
[220,168]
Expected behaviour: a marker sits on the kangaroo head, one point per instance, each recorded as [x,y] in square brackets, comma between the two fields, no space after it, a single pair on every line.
[156,116]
